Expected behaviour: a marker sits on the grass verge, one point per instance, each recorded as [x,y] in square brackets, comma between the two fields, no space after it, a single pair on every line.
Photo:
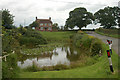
[108,32]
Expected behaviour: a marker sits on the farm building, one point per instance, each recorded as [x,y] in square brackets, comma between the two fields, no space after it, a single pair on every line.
[44,24]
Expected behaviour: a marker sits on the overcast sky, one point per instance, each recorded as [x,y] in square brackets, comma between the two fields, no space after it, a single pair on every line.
[25,11]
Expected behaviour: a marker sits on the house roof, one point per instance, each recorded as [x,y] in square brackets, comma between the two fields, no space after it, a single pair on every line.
[43,20]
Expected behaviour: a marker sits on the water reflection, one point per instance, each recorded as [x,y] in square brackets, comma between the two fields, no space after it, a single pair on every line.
[60,55]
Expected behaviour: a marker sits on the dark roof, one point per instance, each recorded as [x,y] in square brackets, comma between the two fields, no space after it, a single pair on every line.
[44,21]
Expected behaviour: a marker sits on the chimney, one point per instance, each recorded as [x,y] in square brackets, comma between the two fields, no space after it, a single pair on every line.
[36,17]
[50,18]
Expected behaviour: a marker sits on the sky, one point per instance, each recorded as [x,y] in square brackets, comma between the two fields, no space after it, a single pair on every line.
[25,11]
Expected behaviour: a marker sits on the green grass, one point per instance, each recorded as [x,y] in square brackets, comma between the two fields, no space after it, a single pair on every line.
[110,34]
[97,70]
[57,37]
[0,68]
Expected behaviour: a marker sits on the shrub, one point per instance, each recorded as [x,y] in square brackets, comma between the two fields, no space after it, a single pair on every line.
[10,41]
[96,47]
[33,68]
[32,38]
[10,68]
[80,32]
[82,41]
[86,42]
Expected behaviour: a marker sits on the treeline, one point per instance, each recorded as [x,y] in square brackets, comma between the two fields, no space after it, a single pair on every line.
[80,17]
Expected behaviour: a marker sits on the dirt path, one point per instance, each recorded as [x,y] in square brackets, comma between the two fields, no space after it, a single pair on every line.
[104,39]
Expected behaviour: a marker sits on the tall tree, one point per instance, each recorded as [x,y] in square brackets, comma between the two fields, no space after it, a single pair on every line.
[108,16]
[55,26]
[34,24]
[79,17]
[116,11]
[7,19]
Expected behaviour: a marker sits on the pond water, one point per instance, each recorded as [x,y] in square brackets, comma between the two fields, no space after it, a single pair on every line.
[60,55]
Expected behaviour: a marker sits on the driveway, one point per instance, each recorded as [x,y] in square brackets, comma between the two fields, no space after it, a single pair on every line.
[115,42]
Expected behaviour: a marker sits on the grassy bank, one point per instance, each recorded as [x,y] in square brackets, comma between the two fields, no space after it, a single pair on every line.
[98,69]
[109,32]
[57,37]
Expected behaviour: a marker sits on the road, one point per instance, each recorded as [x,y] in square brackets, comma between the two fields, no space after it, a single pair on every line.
[104,39]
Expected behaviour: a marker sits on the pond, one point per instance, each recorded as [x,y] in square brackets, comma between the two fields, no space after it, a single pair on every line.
[60,55]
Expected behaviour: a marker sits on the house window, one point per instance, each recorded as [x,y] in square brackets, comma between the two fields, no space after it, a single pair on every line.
[41,24]
[49,28]
[45,24]
[41,28]
[49,24]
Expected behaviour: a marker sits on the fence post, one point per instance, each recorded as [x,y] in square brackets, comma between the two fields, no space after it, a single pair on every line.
[110,61]
[110,45]
[5,58]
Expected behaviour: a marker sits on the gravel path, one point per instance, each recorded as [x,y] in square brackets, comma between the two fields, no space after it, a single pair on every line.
[104,39]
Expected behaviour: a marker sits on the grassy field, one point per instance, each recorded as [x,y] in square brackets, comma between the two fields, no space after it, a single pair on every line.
[57,37]
[97,70]
[108,32]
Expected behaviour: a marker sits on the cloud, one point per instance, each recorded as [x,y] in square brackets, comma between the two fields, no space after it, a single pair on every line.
[49,9]
[25,11]
[68,6]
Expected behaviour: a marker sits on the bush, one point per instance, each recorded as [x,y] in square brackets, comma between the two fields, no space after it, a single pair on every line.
[32,68]
[10,68]
[33,38]
[96,47]
[35,68]
[80,32]
[82,41]
[10,41]
[91,44]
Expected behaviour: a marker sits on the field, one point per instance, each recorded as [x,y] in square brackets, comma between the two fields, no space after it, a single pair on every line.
[97,70]
[57,37]
[109,32]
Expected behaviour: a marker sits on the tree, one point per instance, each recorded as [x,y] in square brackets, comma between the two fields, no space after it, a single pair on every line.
[108,16]
[79,17]
[116,12]
[62,27]
[55,26]
[7,19]
[65,27]
[34,24]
